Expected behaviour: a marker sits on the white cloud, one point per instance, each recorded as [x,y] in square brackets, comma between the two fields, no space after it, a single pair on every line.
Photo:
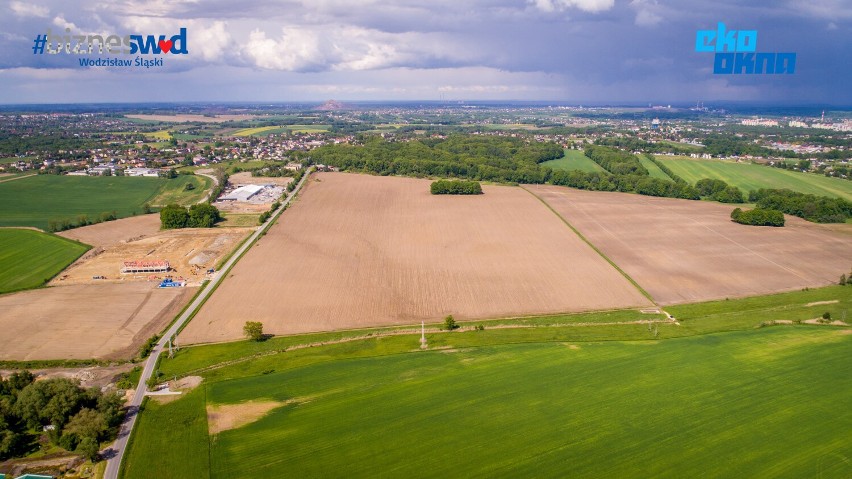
[347,48]
[647,12]
[206,40]
[22,9]
[585,5]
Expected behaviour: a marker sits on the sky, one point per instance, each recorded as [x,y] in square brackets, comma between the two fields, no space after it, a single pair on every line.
[592,51]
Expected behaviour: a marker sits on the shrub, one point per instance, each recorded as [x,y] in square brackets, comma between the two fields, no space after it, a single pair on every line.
[758,217]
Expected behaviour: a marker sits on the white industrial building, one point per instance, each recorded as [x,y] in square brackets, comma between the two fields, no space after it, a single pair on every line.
[243,193]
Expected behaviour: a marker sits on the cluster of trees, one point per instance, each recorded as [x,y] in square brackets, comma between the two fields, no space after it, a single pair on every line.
[475,157]
[758,217]
[296,179]
[720,191]
[268,213]
[630,143]
[271,171]
[643,185]
[725,145]
[219,187]
[82,220]
[615,161]
[202,215]
[71,417]
[457,187]
[819,209]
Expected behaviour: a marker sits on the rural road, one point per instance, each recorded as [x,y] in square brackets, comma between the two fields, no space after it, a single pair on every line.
[115,452]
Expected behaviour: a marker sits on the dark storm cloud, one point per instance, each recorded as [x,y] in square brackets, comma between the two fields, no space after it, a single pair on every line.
[582,50]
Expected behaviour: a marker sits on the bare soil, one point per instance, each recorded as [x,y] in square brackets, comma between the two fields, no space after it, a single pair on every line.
[102,321]
[111,233]
[359,251]
[225,417]
[190,252]
[91,376]
[684,251]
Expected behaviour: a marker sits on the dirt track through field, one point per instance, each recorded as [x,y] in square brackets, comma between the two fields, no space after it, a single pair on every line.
[685,251]
[85,321]
[358,251]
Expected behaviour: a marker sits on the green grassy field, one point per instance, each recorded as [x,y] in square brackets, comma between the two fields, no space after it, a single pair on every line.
[574,160]
[36,200]
[748,176]
[174,190]
[30,258]
[653,169]
[598,409]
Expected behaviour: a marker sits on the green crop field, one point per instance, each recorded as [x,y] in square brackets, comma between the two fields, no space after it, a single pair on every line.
[653,169]
[574,160]
[592,393]
[260,130]
[30,258]
[747,176]
[174,190]
[709,406]
[36,200]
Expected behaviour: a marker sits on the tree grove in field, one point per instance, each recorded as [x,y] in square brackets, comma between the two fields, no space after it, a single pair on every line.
[459,187]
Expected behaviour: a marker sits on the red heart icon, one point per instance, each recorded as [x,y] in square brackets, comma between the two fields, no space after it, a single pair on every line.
[165,45]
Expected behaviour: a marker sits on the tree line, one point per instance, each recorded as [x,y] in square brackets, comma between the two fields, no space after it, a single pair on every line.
[818,209]
[457,187]
[474,157]
[81,220]
[616,162]
[59,410]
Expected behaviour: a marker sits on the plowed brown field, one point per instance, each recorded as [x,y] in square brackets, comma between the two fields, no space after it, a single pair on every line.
[85,321]
[357,251]
[685,251]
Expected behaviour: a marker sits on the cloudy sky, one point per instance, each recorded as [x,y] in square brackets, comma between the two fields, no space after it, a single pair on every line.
[313,50]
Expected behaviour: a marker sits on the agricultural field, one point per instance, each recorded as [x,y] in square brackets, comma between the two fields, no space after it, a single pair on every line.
[185,118]
[160,135]
[107,234]
[574,160]
[260,130]
[358,251]
[29,258]
[39,199]
[469,408]
[175,190]
[102,321]
[682,251]
[748,176]
[653,169]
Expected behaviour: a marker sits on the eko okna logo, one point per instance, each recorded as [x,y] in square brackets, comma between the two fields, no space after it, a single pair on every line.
[736,53]
[133,44]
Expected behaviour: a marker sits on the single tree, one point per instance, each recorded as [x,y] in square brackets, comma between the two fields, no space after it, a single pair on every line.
[253,330]
[450,323]
[843,280]
[88,448]
[826,315]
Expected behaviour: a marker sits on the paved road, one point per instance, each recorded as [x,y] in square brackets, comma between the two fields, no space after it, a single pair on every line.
[115,453]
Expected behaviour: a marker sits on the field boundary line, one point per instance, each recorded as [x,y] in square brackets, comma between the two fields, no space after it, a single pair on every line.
[595,248]
[18,178]
[412,331]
